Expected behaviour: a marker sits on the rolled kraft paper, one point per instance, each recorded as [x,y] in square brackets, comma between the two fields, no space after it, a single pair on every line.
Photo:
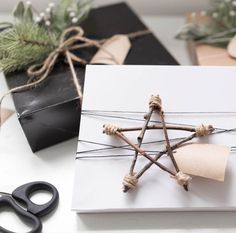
[6,113]
[232,47]
[205,160]
[113,51]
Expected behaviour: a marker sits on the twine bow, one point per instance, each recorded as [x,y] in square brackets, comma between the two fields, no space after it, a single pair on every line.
[67,43]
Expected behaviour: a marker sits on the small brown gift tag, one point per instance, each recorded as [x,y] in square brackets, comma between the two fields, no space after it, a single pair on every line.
[113,51]
[5,114]
[205,160]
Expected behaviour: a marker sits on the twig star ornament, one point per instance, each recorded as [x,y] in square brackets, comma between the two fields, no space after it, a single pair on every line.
[130,180]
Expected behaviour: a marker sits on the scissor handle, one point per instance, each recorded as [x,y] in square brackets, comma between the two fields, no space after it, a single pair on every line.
[22,194]
[7,201]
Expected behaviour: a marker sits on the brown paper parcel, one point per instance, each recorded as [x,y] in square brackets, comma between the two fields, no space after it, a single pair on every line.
[113,52]
[205,160]
[6,113]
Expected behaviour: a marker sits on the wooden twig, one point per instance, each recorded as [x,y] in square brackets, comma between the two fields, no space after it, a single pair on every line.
[140,139]
[169,150]
[153,127]
[35,42]
[160,154]
[155,104]
[143,153]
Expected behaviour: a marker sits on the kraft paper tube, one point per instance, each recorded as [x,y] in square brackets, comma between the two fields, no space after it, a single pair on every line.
[205,160]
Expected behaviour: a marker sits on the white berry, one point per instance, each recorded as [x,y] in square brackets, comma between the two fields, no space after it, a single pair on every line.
[48,23]
[75,20]
[232,13]
[42,14]
[215,15]
[28,3]
[72,14]
[37,19]
[48,10]
[51,4]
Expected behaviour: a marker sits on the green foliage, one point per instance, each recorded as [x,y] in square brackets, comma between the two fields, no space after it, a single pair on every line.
[223,14]
[61,16]
[4,25]
[23,13]
[29,41]
[218,28]
[23,45]
[83,9]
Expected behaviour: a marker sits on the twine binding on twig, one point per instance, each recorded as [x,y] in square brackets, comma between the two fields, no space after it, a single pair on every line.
[130,181]
[203,130]
[182,178]
[155,102]
[110,129]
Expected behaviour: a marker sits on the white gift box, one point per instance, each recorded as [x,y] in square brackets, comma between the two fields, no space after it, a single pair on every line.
[120,95]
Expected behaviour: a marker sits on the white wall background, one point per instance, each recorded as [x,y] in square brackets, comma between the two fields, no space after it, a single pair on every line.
[141,6]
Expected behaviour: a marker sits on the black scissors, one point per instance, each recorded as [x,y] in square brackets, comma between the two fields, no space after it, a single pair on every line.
[32,211]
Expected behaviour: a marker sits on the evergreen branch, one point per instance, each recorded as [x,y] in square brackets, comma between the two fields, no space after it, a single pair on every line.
[24,44]
[28,42]
[34,42]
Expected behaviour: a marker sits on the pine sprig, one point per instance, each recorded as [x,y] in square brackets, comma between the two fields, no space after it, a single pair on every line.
[31,38]
[24,44]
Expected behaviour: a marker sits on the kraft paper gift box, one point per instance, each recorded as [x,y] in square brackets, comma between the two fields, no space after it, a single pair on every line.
[190,96]
[50,113]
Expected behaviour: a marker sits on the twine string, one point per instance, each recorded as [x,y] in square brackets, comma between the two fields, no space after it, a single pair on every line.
[130,181]
[67,43]
[110,129]
[203,130]
[107,128]
[155,103]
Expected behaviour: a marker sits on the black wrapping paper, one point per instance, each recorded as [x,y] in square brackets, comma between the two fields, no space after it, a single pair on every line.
[50,113]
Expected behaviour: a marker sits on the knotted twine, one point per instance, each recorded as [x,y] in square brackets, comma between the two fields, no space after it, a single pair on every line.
[182,178]
[130,181]
[203,130]
[67,43]
[110,129]
[155,103]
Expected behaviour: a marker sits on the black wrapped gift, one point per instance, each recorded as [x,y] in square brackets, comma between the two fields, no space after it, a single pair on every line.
[50,113]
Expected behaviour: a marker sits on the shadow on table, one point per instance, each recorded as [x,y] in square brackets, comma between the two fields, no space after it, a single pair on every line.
[163,220]
[59,151]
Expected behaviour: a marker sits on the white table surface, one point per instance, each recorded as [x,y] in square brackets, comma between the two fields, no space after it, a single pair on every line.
[56,165]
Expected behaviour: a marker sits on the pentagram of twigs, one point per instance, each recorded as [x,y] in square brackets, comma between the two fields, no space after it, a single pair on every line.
[130,180]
